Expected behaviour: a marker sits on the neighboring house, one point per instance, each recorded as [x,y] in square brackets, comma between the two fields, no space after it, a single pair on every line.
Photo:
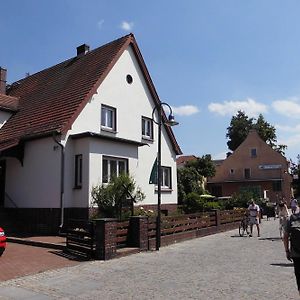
[255,166]
[72,126]
[183,159]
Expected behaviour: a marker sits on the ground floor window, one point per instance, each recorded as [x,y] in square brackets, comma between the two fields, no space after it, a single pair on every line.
[254,189]
[78,171]
[112,166]
[166,177]
[277,186]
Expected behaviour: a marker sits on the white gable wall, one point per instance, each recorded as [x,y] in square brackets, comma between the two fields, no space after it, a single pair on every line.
[132,101]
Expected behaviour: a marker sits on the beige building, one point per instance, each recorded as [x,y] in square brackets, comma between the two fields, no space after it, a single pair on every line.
[254,166]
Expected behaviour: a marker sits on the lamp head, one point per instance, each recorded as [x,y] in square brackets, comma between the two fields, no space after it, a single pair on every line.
[171,121]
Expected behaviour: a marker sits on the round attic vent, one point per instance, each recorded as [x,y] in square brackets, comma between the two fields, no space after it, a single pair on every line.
[129,79]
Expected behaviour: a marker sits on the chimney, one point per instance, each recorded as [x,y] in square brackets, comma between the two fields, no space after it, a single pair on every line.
[83,49]
[2,80]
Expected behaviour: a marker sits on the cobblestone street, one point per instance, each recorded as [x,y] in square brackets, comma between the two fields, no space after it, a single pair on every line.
[221,266]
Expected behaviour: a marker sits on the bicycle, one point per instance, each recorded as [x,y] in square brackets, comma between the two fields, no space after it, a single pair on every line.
[244,225]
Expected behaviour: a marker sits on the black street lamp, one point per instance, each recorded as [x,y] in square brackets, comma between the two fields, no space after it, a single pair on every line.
[169,122]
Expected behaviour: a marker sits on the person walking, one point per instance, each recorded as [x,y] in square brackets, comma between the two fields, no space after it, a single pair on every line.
[254,217]
[291,241]
[294,205]
[283,215]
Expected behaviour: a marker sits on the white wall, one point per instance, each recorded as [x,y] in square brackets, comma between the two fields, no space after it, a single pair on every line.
[37,182]
[132,101]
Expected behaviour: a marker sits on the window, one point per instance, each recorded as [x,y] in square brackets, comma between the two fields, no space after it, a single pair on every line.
[253,152]
[78,171]
[108,118]
[277,186]
[166,178]
[113,167]
[247,173]
[231,171]
[147,128]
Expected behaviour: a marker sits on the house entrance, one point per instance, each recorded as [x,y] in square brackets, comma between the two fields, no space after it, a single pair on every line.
[2,182]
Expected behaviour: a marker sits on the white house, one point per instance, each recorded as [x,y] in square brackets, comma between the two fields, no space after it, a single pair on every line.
[70,126]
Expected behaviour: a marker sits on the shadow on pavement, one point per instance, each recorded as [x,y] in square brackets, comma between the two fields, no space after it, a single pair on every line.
[283,265]
[270,239]
[69,256]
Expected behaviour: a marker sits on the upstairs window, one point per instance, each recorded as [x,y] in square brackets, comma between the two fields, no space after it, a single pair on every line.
[112,166]
[253,152]
[78,171]
[108,118]
[147,128]
[247,173]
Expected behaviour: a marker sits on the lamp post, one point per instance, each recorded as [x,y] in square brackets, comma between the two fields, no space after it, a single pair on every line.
[169,122]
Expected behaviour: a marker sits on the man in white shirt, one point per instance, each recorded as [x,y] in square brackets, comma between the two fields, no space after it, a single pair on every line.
[254,217]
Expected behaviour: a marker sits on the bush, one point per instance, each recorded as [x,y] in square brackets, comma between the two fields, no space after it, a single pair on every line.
[193,203]
[117,197]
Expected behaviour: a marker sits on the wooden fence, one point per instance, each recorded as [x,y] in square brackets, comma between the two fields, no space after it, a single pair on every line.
[140,231]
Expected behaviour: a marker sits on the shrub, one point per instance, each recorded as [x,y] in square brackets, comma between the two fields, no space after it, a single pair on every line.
[193,203]
[114,198]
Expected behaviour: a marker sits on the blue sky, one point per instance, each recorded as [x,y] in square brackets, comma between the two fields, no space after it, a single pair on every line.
[207,58]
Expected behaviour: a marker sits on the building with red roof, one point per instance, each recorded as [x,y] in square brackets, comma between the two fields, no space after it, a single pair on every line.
[73,125]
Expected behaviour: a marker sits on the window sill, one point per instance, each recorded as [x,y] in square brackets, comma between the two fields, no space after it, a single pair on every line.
[146,138]
[77,187]
[164,190]
[106,129]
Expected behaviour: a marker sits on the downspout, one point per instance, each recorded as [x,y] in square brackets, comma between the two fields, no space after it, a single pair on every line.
[62,181]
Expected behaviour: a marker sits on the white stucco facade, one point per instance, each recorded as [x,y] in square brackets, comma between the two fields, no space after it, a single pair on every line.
[36,183]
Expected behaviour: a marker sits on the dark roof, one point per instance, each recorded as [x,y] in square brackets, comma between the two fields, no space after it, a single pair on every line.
[8,103]
[51,100]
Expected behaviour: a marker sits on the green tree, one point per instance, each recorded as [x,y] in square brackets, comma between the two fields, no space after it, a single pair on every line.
[238,129]
[204,165]
[240,126]
[121,192]
[189,180]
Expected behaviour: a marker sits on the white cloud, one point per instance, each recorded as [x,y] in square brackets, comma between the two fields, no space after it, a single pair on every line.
[288,107]
[249,106]
[185,110]
[287,128]
[291,141]
[221,155]
[127,26]
[100,24]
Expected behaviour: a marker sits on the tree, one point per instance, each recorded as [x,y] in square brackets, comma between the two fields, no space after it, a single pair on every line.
[238,129]
[204,165]
[120,192]
[189,180]
[240,126]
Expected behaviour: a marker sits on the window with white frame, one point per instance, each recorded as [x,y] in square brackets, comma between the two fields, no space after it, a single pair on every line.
[112,166]
[166,182]
[78,171]
[147,128]
[108,118]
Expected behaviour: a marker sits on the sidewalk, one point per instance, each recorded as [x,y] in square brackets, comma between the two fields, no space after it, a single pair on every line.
[221,266]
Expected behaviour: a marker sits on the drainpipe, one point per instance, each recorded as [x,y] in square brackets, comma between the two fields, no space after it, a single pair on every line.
[62,177]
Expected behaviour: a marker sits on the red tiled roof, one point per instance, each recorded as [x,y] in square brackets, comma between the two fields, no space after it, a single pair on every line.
[8,102]
[185,158]
[50,100]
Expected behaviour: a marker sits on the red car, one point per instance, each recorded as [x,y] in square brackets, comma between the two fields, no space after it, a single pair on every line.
[2,241]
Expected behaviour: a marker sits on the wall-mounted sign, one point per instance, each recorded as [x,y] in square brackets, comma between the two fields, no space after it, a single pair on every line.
[269,167]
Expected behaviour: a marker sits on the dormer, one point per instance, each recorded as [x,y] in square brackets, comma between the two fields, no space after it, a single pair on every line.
[8,104]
